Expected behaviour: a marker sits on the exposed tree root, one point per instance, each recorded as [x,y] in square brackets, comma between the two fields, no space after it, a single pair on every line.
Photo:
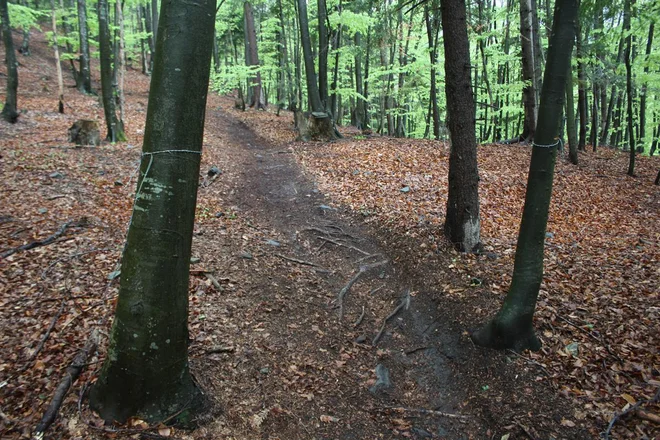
[636,408]
[46,241]
[430,412]
[405,303]
[347,287]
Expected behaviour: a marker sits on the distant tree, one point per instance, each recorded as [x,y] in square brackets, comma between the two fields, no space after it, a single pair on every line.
[113,123]
[462,225]
[255,90]
[512,327]
[531,65]
[85,83]
[58,66]
[627,12]
[10,109]
[146,371]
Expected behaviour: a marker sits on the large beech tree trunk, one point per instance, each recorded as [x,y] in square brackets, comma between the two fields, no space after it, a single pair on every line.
[462,225]
[512,327]
[10,109]
[146,373]
[85,83]
[115,125]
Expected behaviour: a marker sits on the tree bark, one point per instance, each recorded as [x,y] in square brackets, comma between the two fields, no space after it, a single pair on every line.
[627,12]
[120,68]
[154,19]
[359,105]
[571,129]
[10,109]
[582,92]
[431,29]
[530,67]
[146,373]
[85,83]
[256,94]
[151,40]
[462,225]
[643,93]
[114,125]
[58,66]
[323,53]
[512,327]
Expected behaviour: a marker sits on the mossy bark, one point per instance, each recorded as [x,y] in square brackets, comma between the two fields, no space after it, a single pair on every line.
[146,371]
[512,327]
[10,109]
[462,225]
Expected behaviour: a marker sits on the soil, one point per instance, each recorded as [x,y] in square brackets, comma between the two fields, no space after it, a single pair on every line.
[268,345]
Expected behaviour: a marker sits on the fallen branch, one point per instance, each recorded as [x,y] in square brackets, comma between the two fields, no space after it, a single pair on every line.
[295,260]
[213,281]
[634,408]
[70,375]
[359,320]
[48,331]
[45,242]
[405,303]
[347,287]
[430,412]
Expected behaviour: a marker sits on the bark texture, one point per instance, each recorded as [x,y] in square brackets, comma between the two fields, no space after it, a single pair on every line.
[10,109]
[462,225]
[114,125]
[512,327]
[146,371]
[85,83]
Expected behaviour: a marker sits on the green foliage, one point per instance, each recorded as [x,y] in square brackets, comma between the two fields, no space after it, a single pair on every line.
[25,18]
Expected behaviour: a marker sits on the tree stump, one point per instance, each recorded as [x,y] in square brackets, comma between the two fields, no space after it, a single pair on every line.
[85,132]
[313,126]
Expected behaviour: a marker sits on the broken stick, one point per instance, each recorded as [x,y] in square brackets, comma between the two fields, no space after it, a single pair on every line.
[70,375]
[295,260]
[405,303]
[430,412]
[45,242]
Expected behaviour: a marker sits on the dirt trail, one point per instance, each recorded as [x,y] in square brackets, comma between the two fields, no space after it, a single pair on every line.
[310,375]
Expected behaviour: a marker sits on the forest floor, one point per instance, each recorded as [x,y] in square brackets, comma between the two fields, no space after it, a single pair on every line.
[279,234]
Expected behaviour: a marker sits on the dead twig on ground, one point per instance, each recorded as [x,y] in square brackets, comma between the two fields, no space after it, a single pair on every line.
[430,412]
[70,375]
[347,287]
[295,260]
[634,408]
[45,242]
[405,303]
[359,320]
[40,347]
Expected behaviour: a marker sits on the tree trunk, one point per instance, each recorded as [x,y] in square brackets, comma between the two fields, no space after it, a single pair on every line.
[25,44]
[512,327]
[114,125]
[359,106]
[642,97]
[627,12]
[256,89]
[154,19]
[143,52]
[58,66]
[120,68]
[571,129]
[582,91]
[151,40]
[10,109]
[323,53]
[529,67]
[462,225]
[285,57]
[431,29]
[146,373]
[85,83]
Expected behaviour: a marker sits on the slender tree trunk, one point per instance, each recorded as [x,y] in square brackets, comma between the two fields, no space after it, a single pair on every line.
[582,92]
[512,327]
[462,225]
[154,19]
[323,53]
[146,373]
[58,66]
[85,83]
[627,12]
[431,26]
[359,107]
[256,87]
[143,51]
[151,40]
[529,67]
[114,125]
[120,59]
[570,120]
[310,74]
[642,97]
[25,44]
[285,57]
[336,41]
[10,109]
